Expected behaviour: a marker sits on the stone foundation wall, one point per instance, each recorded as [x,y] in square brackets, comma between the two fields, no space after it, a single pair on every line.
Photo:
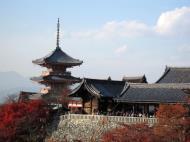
[84,130]
[88,128]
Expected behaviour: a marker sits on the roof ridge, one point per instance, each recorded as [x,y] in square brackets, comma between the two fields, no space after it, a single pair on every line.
[125,88]
[179,67]
[91,89]
[161,85]
[167,69]
[103,80]
[134,76]
[77,88]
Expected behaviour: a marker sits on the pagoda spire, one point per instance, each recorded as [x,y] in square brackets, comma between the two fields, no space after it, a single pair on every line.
[58,34]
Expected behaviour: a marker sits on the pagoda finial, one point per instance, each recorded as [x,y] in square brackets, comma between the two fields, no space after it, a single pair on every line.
[57,33]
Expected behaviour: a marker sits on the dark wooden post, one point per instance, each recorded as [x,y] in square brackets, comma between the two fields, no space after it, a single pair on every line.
[91,104]
[133,108]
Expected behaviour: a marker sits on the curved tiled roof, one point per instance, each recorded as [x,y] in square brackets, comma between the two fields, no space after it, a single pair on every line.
[58,57]
[135,79]
[154,93]
[175,75]
[101,88]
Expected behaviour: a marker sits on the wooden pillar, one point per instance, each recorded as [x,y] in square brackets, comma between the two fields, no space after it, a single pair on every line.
[91,104]
[146,109]
[133,108]
[123,107]
[143,108]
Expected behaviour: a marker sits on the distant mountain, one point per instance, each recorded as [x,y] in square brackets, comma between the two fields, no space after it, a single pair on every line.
[12,83]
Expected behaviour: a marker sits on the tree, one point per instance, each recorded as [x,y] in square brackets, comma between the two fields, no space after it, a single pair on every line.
[173,122]
[129,133]
[23,121]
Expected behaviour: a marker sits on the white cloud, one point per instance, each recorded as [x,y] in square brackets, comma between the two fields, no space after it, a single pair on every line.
[121,49]
[175,22]
[169,23]
[115,29]
[123,29]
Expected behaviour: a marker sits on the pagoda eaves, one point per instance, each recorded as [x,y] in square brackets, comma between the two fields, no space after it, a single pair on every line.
[58,57]
[56,79]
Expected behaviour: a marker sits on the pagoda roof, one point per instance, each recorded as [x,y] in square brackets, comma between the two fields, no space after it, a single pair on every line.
[155,93]
[135,79]
[56,79]
[100,88]
[58,57]
[175,75]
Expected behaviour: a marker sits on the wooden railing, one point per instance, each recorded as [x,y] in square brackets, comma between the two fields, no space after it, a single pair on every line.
[117,119]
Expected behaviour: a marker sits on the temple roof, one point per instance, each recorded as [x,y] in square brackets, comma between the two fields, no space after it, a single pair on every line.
[25,96]
[135,79]
[175,75]
[56,79]
[100,88]
[58,57]
[154,93]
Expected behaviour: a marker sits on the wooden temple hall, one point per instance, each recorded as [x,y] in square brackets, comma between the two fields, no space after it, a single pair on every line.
[130,96]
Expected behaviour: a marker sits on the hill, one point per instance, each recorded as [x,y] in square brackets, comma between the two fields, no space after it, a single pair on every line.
[12,83]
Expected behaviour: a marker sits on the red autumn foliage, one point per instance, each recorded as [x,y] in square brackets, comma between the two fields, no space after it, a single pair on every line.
[129,133]
[174,122]
[19,121]
[173,126]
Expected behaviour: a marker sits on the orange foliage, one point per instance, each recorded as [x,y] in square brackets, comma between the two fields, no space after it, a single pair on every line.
[173,122]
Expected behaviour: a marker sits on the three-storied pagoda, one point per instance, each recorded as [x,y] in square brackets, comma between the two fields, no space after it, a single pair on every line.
[56,78]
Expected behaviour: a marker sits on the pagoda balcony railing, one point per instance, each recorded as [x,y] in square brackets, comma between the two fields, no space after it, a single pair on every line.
[67,73]
[45,90]
[46,73]
[116,119]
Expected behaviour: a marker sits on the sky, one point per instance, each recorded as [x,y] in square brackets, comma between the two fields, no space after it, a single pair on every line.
[113,37]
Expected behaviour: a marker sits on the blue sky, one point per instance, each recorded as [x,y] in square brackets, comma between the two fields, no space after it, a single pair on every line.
[113,38]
